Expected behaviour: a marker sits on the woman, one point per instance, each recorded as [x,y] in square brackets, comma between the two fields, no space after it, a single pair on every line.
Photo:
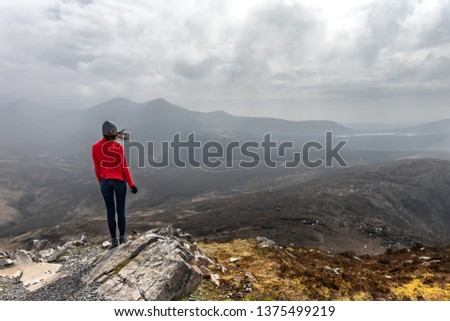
[113,174]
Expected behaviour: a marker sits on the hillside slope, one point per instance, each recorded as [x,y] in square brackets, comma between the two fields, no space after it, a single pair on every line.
[364,209]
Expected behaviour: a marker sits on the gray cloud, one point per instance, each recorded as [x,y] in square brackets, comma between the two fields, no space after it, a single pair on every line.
[360,62]
[198,70]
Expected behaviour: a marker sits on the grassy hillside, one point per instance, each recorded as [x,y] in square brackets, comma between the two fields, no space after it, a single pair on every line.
[288,273]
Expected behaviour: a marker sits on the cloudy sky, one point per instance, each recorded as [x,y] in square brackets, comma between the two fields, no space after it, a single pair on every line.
[364,61]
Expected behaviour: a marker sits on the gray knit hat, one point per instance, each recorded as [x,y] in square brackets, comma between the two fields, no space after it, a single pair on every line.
[109,128]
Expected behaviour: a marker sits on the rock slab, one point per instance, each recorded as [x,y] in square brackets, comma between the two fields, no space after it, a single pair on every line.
[158,265]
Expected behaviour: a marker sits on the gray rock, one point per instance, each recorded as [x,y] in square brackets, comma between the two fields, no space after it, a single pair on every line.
[22,257]
[151,267]
[215,278]
[5,262]
[250,277]
[264,242]
[184,236]
[201,257]
[106,244]
[56,255]
[66,246]
[46,254]
[335,270]
[81,241]
[40,245]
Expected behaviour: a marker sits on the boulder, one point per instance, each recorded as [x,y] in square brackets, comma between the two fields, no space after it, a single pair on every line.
[82,241]
[41,244]
[22,257]
[71,244]
[47,254]
[157,265]
[5,262]
[264,242]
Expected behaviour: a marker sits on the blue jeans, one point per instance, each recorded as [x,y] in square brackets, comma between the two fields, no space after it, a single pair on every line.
[117,188]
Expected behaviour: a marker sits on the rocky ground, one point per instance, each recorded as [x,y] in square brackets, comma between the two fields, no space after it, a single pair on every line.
[168,264]
[74,259]
[158,265]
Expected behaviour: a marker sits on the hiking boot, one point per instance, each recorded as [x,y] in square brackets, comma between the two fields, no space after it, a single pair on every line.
[114,243]
[123,239]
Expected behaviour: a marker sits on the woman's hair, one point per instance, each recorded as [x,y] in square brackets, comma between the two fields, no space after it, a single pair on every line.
[117,135]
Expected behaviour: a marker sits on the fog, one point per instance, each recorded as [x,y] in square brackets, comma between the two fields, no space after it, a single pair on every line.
[347,61]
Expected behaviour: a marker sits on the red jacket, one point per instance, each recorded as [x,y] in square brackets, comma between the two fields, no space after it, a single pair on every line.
[110,162]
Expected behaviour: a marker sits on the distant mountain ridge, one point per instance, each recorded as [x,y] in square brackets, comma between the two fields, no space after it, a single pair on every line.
[433,128]
[159,116]
[155,120]
[126,112]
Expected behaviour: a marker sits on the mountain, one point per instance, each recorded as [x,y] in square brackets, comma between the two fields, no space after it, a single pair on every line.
[36,128]
[428,137]
[155,120]
[47,178]
[440,127]
[25,107]
[24,121]
[258,126]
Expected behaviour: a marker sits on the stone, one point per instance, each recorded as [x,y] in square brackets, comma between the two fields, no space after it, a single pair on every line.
[54,256]
[22,257]
[82,241]
[39,245]
[234,259]
[17,275]
[46,254]
[66,246]
[264,242]
[248,288]
[221,268]
[5,262]
[201,257]
[154,266]
[237,279]
[215,278]
[250,277]
[334,270]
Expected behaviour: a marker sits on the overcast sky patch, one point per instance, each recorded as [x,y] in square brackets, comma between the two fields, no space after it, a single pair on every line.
[348,61]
